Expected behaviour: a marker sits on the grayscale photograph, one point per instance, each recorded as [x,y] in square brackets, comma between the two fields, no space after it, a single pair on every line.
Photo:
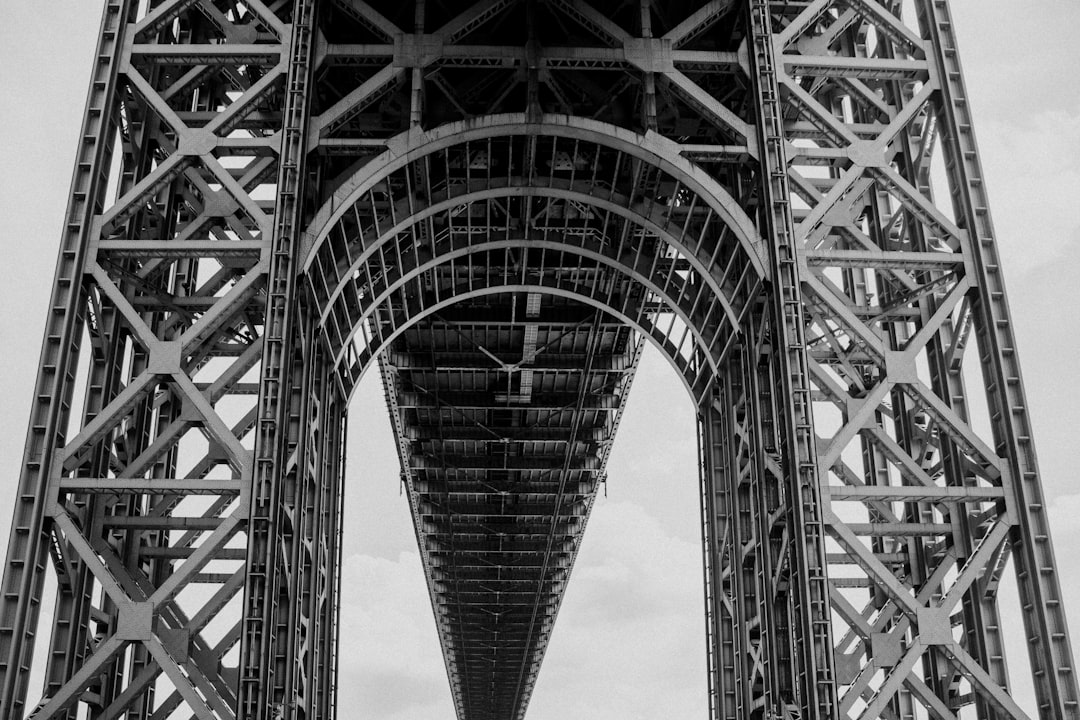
[539,359]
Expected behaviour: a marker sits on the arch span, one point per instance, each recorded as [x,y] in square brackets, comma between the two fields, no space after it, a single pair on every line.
[512,272]
[647,288]
[579,133]
[566,186]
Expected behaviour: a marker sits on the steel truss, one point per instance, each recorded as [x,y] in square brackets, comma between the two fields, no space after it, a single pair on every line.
[271,196]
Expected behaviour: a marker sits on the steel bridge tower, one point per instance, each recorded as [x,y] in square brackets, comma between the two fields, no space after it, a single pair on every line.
[497,204]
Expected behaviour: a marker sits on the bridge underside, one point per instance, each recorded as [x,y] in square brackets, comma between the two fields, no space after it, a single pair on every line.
[505,409]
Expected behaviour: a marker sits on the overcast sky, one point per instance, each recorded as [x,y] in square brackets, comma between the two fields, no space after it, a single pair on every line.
[629,641]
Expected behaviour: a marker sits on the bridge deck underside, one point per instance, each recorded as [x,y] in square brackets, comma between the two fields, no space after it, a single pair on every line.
[505,409]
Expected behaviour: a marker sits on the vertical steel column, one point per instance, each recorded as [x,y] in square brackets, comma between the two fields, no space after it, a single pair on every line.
[311,516]
[326,658]
[812,626]
[750,580]
[921,507]
[298,513]
[1045,625]
[752,632]
[124,542]
[261,692]
[29,540]
[322,638]
[714,450]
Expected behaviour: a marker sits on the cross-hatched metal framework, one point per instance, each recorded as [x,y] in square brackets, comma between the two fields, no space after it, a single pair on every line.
[498,204]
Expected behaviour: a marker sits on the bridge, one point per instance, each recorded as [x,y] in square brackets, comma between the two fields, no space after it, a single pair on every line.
[496,206]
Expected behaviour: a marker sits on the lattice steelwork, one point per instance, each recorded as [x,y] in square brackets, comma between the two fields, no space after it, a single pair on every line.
[501,202]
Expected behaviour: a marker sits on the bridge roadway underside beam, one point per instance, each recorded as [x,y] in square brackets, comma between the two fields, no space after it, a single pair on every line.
[505,425]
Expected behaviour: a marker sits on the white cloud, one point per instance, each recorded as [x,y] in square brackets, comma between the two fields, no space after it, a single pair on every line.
[1033,177]
[390,662]
[629,642]
[1017,56]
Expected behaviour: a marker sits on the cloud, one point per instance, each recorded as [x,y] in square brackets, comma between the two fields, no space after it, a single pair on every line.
[629,642]
[1026,107]
[390,663]
[1033,177]
[1048,339]
[1011,54]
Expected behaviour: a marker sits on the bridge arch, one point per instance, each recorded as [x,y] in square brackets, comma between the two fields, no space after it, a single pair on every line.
[625,206]
[582,133]
[588,215]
